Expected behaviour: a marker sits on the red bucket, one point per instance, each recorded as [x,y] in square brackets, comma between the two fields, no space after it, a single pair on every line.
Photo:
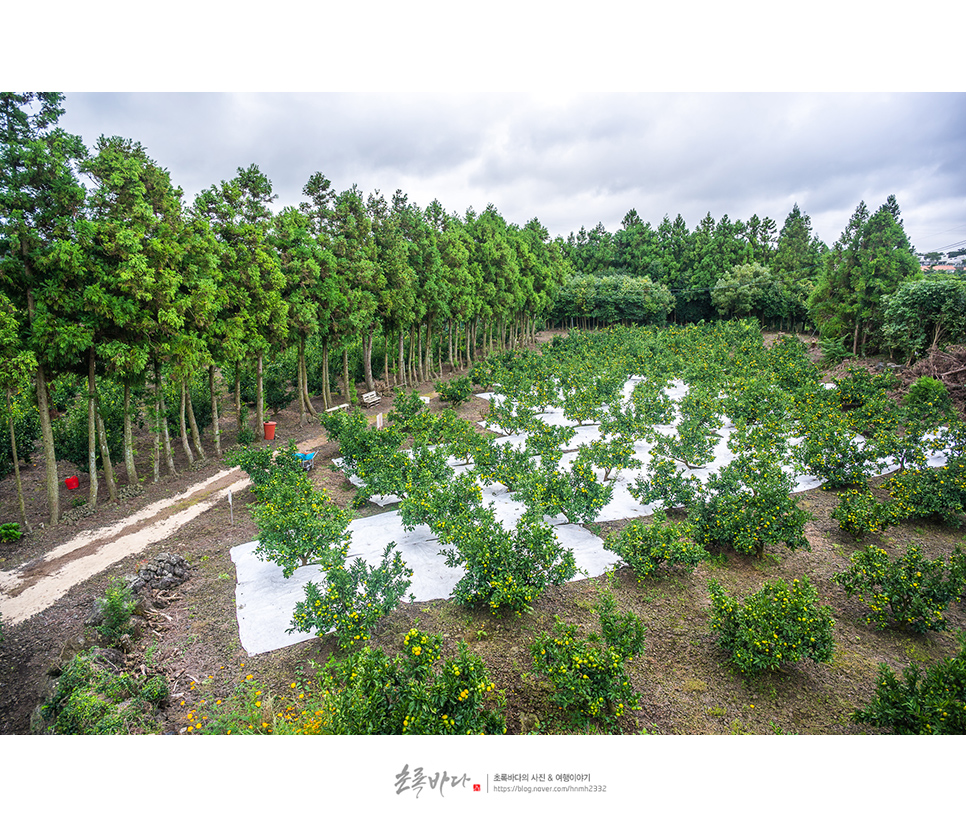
[72,482]
[269,431]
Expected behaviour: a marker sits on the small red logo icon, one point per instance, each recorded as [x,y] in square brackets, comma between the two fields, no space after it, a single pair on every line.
[476,787]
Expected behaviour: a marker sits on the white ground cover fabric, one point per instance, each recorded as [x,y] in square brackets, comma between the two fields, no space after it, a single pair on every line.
[265,600]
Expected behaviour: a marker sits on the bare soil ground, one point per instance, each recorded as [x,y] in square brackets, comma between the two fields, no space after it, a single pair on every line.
[685,683]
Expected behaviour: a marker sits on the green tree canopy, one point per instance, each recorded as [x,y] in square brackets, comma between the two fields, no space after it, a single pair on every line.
[871,259]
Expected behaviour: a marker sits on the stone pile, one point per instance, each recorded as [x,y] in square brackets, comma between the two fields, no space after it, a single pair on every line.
[166,570]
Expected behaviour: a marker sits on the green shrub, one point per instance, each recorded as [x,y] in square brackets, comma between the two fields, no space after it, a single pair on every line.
[277,391]
[860,385]
[663,482]
[860,513]
[385,470]
[645,547]
[548,443]
[510,416]
[790,364]
[925,702]
[91,700]
[246,710]
[588,676]
[755,400]
[651,405]
[441,503]
[612,455]
[773,627]
[622,632]
[407,408]
[466,444]
[299,525]
[934,492]
[116,605]
[830,450]
[575,493]
[910,591]
[70,429]
[505,570]
[833,351]
[10,532]
[155,690]
[928,401]
[363,445]
[246,434]
[747,506]
[415,693]
[696,436]
[26,425]
[482,373]
[353,599]
[262,464]
[456,391]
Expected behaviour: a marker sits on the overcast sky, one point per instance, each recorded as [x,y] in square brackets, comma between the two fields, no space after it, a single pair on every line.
[573,160]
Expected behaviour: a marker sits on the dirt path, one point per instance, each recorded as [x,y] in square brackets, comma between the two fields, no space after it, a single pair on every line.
[33,587]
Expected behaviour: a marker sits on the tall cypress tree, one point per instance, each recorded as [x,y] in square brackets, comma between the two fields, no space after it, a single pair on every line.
[40,197]
[257,314]
[869,261]
[134,265]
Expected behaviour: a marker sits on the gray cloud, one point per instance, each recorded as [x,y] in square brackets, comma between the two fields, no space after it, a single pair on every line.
[573,160]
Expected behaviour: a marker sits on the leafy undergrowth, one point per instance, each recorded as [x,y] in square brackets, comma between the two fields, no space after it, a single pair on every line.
[682,678]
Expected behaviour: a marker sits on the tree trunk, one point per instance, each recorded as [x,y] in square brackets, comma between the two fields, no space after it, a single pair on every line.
[421,357]
[452,358]
[50,456]
[163,422]
[156,446]
[43,406]
[385,360]
[238,415]
[183,427]
[326,386]
[166,440]
[305,379]
[106,455]
[402,358]
[413,376]
[91,427]
[345,374]
[367,359]
[16,464]
[132,474]
[301,387]
[193,424]
[215,430]
[259,393]
[428,353]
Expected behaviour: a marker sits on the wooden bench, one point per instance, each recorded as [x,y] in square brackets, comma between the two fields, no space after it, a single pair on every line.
[371,398]
[337,407]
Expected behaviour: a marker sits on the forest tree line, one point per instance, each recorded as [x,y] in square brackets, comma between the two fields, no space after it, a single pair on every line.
[124,282]
[125,286]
